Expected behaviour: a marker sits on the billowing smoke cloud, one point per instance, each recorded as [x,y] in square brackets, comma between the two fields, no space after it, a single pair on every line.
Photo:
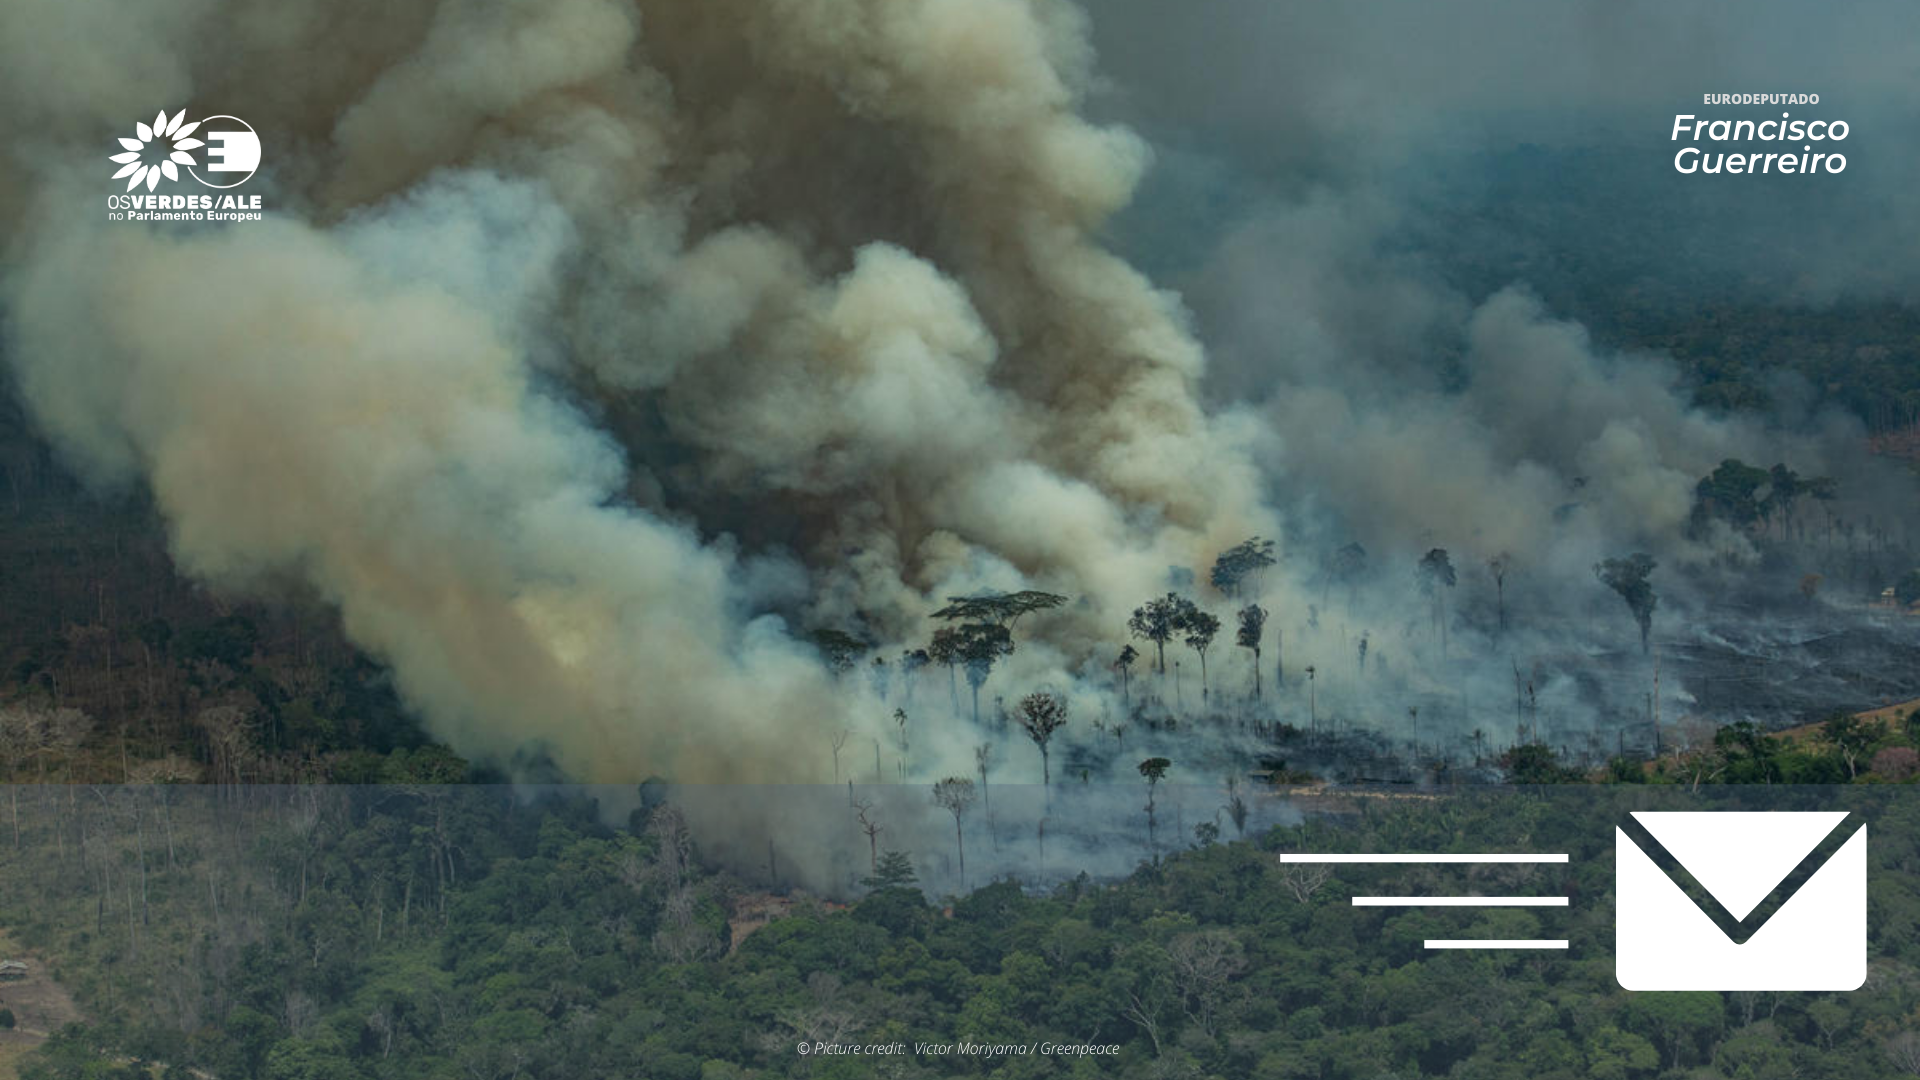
[1330,203]
[299,414]
[1378,214]
[595,350]
[1421,419]
[598,351]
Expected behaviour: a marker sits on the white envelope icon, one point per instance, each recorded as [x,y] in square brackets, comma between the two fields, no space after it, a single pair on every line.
[1817,940]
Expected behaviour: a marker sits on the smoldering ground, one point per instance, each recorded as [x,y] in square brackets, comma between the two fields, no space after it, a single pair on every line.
[1368,208]
[599,352]
[819,836]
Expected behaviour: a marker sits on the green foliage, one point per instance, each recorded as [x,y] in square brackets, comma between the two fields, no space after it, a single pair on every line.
[999,609]
[1613,1054]
[1239,563]
[1159,620]
[894,871]
[303,1059]
[1198,630]
[431,764]
[1042,714]
[839,650]
[981,644]
[230,640]
[1628,577]
[978,646]
[944,649]
[1745,496]
[1252,622]
[1625,770]
[1683,1023]
[1535,763]
[544,958]
[1731,493]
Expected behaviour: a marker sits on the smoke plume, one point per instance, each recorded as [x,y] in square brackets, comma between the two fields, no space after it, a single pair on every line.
[599,352]
[594,352]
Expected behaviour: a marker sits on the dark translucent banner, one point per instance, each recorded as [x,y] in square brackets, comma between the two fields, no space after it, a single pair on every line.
[928,930]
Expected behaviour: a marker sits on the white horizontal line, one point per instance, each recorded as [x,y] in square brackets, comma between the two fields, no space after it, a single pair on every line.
[1495,943]
[1459,901]
[1287,857]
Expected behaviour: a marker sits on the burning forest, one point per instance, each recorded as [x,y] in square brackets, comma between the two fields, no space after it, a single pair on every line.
[815,407]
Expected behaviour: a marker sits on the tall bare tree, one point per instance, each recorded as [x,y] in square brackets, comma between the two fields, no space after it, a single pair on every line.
[230,741]
[1124,665]
[982,757]
[1154,769]
[981,646]
[1497,567]
[984,632]
[1198,630]
[863,813]
[1437,576]
[955,795]
[945,649]
[1204,964]
[912,661]
[1253,622]
[1304,879]
[1236,806]
[22,732]
[1041,714]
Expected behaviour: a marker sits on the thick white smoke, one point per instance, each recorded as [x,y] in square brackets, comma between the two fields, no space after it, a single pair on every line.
[600,350]
[563,304]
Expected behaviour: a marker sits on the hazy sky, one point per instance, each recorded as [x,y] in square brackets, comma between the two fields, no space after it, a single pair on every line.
[1418,106]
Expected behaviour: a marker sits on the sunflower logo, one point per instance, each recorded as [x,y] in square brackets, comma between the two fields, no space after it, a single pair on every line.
[147,159]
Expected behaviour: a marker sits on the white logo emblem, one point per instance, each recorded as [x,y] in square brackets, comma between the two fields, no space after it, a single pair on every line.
[1814,938]
[160,150]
